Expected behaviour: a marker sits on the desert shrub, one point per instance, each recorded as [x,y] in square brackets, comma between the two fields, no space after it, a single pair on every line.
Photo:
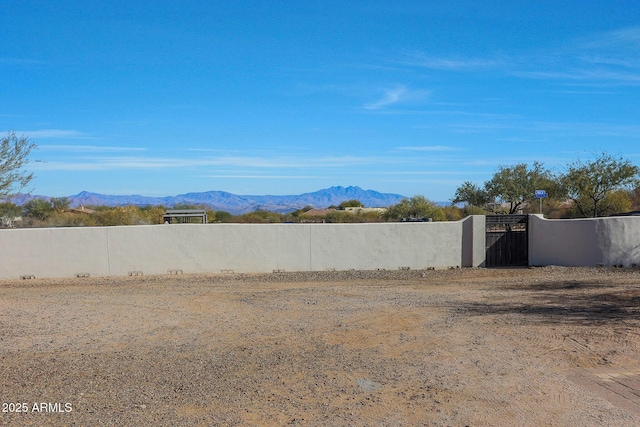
[223,216]
[38,208]
[260,217]
[474,210]
[10,210]
[116,216]
[340,217]
[69,219]
[350,204]
[150,215]
[615,201]
[416,207]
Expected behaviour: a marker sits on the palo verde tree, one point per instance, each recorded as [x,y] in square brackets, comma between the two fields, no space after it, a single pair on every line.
[471,195]
[513,185]
[516,185]
[60,204]
[14,156]
[594,186]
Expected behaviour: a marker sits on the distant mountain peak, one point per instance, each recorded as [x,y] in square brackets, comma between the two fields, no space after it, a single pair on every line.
[238,204]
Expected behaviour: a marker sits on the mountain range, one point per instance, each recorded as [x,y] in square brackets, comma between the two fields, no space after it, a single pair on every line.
[234,203]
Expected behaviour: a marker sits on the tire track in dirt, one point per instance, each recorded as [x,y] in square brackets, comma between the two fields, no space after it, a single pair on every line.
[581,355]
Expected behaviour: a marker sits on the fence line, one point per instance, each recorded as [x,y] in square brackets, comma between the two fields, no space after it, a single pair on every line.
[256,248]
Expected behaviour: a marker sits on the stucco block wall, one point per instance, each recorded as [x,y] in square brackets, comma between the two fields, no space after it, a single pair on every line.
[257,248]
[243,248]
[197,248]
[623,245]
[388,246]
[45,252]
[585,242]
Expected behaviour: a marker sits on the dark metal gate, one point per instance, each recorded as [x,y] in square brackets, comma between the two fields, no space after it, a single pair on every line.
[507,240]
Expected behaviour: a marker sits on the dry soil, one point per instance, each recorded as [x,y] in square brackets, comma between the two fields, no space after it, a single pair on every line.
[477,347]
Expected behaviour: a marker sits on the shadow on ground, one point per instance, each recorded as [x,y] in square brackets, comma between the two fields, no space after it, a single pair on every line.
[564,302]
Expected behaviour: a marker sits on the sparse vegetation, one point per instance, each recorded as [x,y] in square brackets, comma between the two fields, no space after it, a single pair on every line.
[8,214]
[601,187]
[511,189]
[39,209]
[350,204]
[415,208]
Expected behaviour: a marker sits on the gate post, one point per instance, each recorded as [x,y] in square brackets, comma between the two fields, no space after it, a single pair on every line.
[473,241]
[532,230]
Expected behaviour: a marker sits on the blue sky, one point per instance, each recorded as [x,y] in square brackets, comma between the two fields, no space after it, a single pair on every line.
[285,97]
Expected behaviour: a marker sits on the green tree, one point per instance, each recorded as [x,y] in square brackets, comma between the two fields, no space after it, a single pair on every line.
[350,204]
[471,195]
[453,213]
[10,209]
[296,215]
[151,214]
[590,184]
[69,219]
[38,208]
[223,216]
[339,216]
[614,202]
[8,212]
[119,215]
[60,204]
[635,198]
[260,216]
[516,185]
[417,207]
[14,156]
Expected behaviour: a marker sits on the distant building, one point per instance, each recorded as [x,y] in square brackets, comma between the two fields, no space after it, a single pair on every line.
[185,216]
[365,210]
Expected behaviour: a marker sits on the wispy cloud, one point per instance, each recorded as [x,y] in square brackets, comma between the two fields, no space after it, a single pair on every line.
[247,162]
[87,148]
[232,176]
[578,74]
[390,97]
[396,95]
[428,173]
[611,58]
[54,133]
[604,58]
[424,60]
[615,41]
[547,128]
[430,148]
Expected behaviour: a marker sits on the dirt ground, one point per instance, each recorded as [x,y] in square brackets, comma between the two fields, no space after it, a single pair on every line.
[471,347]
